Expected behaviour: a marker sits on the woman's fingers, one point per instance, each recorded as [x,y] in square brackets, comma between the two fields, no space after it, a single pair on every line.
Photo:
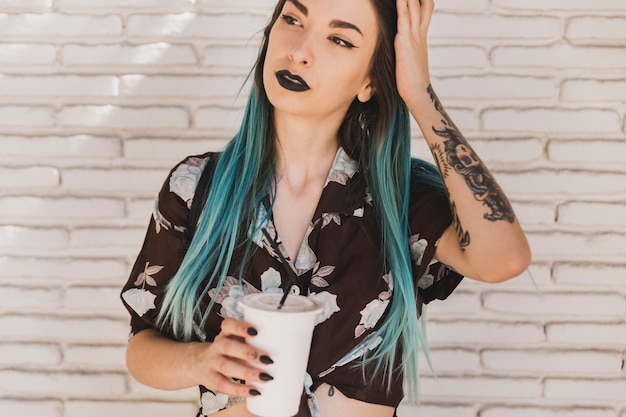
[404,22]
[427,13]
[230,342]
[414,8]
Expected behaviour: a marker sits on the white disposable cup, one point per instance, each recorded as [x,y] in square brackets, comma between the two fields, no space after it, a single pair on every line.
[285,335]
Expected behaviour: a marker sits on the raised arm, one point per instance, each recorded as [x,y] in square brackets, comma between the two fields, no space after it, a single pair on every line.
[485,241]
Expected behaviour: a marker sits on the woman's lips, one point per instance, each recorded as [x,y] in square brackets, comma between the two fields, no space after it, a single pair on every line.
[291,81]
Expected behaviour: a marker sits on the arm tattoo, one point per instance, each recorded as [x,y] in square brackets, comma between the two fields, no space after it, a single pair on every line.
[464,237]
[461,157]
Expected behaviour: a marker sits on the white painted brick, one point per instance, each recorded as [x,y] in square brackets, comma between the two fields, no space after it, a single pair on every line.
[54,24]
[93,298]
[96,355]
[507,151]
[594,90]
[593,275]
[30,116]
[591,151]
[61,208]
[579,389]
[458,303]
[593,334]
[542,181]
[25,4]
[181,86]
[472,26]
[79,146]
[596,30]
[512,411]
[129,409]
[24,237]
[122,4]
[142,391]
[107,237]
[455,360]
[218,118]
[558,57]
[440,410]
[20,178]
[191,25]
[535,214]
[157,54]
[109,116]
[62,383]
[63,329]
[575,5]
[481,387]
[551,120]
[593,214]
[170,149]
[495,87]
[484,332]
[547,304]
[84,269]
[546,361]
[58,85]
[27,54]
[146,181]
[141,209]
[20,408]
[33,297]
[570,244]
[466,5]
[27,353]
[243,4]
[457,57]
[232,56]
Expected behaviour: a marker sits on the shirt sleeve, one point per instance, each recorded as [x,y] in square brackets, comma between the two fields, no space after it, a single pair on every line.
[164,246]
[429,217]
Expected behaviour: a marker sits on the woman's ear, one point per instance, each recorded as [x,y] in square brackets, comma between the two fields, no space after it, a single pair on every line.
[366,93]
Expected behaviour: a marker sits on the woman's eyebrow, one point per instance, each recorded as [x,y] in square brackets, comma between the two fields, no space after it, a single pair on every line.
[334,24]
[345,25]
[303,9]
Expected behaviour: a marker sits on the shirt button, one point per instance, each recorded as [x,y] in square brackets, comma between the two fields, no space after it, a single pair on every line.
[295,290]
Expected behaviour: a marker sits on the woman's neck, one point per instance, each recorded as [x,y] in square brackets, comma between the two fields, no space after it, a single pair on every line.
[305,149]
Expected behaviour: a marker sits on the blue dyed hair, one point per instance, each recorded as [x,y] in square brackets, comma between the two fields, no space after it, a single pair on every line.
[377,135]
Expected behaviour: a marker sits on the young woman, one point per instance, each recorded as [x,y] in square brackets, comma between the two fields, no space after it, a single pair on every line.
[321,167]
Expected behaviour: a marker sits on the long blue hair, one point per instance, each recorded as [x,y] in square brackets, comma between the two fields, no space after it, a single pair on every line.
[377,135]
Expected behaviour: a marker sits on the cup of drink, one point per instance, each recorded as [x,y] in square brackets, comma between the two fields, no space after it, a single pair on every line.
[285,334]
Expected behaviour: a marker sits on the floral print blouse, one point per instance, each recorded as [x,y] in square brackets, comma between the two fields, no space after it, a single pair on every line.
[339,264]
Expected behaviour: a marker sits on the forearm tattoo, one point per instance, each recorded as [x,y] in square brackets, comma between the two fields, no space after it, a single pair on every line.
[458,155]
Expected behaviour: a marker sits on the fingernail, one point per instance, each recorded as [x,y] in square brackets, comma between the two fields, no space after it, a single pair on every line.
[252,331]
[266,360]
[254,392]
[265,377]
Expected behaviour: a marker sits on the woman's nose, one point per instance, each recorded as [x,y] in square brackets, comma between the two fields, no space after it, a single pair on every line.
[302,51]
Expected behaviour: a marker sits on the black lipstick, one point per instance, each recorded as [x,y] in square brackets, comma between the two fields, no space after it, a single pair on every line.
[290,81]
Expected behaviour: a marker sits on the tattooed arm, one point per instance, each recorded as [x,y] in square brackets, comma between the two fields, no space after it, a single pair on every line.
[485,241]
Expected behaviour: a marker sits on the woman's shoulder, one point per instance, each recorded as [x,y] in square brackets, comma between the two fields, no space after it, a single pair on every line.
[184,177]
[175,199]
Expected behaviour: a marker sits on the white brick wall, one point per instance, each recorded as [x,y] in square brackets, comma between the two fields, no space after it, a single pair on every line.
[98,99]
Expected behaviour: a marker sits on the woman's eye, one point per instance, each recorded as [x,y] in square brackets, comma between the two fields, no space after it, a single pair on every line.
[341,42]
[289,19]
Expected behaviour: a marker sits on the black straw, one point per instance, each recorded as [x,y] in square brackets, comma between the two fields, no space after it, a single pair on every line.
[293,279]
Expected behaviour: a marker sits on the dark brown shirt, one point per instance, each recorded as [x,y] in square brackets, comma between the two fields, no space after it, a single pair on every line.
[339,264]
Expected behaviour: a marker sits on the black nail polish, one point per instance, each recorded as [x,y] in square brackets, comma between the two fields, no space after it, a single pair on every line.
[265,377]
[266,360]
[252,331]
[254,392]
